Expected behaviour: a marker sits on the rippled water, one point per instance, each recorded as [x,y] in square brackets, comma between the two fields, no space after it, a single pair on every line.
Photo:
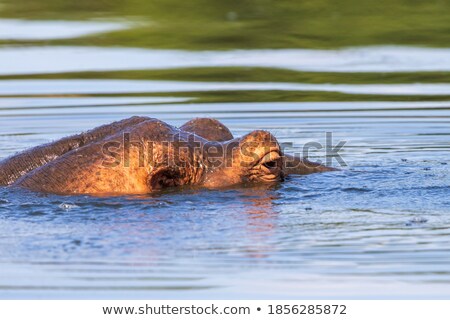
[380,228]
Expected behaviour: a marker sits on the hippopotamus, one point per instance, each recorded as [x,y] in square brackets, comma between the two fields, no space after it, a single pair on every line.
[141,155]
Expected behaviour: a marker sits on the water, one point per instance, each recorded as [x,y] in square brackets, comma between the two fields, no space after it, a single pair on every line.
[380,228]
[368,59]
[12,29]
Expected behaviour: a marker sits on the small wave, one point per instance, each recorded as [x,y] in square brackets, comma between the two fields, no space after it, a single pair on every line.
[68,206]
[356,189]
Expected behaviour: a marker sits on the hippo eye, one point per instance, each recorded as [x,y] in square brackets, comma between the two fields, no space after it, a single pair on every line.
[270,164]
[268,169]
[270,160]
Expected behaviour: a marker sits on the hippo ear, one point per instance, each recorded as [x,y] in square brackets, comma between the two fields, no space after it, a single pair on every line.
[165,177]
[255,145]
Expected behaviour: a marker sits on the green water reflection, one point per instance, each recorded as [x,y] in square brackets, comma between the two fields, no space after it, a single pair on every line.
[250,24]
[214,24]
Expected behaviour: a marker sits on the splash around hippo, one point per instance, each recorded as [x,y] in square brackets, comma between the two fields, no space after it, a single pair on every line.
[140,155]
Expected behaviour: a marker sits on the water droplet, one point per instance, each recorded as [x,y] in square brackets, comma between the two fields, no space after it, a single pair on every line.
[68,206]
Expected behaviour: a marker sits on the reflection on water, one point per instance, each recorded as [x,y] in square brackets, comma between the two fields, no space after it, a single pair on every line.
[55,87]
[382,221]
[368,59]
[219,25]
[11,29]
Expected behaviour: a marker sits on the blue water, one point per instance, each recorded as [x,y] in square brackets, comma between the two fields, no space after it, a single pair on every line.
[380,228]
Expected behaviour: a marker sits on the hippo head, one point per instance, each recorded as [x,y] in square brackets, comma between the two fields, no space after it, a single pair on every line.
[193,160]
[255,157]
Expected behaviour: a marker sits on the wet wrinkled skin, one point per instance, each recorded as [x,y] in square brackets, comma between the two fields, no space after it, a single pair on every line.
[140,155]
